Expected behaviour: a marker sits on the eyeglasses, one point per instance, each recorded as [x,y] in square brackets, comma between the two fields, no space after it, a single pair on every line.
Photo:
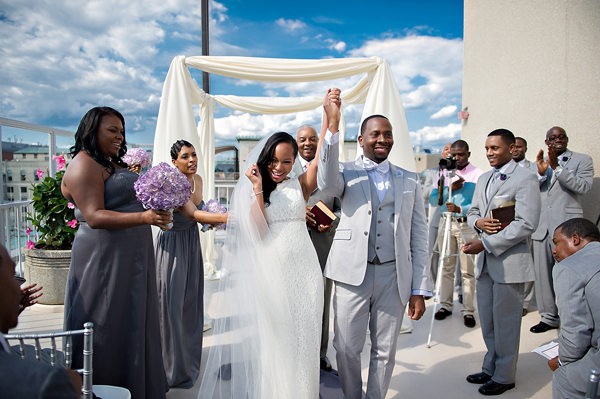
[552,139]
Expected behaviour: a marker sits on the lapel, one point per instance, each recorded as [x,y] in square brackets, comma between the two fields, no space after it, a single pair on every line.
[397,184]
[567,154]
[509,170]
[364,182]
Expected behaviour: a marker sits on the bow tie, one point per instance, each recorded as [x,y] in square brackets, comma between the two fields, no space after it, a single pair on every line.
[382,167]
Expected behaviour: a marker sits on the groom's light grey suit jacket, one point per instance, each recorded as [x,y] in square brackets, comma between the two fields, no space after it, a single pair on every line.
[510,259]
[347,262]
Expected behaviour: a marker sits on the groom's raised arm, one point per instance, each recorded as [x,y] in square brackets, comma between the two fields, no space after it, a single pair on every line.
[329,178]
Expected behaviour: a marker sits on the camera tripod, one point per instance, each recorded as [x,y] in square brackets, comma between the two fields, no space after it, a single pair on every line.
[449,218]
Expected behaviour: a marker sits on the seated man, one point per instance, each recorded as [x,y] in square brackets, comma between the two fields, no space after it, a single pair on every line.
[24,378]
[577,286]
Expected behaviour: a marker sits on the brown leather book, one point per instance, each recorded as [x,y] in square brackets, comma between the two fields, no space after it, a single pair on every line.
[505,215]
[323,215]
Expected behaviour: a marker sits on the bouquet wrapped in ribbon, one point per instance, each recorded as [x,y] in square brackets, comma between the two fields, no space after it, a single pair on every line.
[163,188]
[213,206]
[137,156]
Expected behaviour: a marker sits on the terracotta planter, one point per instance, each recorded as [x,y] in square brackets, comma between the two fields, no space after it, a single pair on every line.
[49,269]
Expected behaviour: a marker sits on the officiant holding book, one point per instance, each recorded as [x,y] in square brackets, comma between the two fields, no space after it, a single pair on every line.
[321,235]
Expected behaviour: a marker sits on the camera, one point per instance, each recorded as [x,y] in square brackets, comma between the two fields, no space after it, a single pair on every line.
[448,163]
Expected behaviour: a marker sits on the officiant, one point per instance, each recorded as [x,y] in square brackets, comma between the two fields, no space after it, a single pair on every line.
[321,236]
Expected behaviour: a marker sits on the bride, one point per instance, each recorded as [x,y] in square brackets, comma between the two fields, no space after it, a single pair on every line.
[266,339]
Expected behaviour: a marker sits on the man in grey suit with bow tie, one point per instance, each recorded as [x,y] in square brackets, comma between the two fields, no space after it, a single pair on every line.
[504,265]
[321,236]
[577,286]
[379,255]
[563,177]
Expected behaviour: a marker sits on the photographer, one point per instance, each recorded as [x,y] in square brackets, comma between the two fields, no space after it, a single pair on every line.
[463,187]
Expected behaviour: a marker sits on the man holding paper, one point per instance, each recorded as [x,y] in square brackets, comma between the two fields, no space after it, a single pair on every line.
[577,285]
[320,235]
[505,264]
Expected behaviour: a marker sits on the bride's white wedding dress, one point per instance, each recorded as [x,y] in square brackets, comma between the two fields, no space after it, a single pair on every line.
[303,282]
[266,339]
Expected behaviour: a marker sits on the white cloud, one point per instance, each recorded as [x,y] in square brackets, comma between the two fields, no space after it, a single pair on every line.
[436,136]
[242,124]
[445,112]
[436,60]
[335,45]
[290,25]
[61,58]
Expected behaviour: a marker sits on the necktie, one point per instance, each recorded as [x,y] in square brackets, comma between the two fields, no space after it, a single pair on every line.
[493,180]
[306,166]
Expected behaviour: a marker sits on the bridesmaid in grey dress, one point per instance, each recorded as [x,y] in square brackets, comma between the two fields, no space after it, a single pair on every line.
[112,278]
[180,278]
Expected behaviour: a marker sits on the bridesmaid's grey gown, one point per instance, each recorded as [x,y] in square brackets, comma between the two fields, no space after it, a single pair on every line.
[112,283]
[180,281]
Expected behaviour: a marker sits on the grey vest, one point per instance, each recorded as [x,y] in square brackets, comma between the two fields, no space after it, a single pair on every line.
[381,233]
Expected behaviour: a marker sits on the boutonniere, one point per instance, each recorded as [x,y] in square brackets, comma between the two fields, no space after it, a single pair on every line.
[398,173]
[564,159]
[503,176]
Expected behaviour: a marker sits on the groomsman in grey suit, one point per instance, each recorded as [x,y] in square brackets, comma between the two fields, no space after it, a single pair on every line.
[505,264]
[307,139]
[519,157]
[26,378]
[378,258]
[577,286]
[563,177]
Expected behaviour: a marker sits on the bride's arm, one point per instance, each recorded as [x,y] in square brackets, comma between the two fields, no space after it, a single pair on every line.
[256,179]
[331,120]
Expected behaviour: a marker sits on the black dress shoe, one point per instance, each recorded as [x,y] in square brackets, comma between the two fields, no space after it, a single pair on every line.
[442,314]
[326,364]
[525,312]
[469,321]
[541,327]
[492,388]
[479,378]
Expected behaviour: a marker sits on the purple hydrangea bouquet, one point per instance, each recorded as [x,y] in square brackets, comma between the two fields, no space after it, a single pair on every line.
[163,188]
[213,206]
[137,156]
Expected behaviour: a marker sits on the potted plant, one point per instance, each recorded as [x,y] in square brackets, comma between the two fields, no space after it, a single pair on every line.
[47,260]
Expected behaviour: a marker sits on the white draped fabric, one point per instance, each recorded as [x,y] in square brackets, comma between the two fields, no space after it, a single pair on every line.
[377,90]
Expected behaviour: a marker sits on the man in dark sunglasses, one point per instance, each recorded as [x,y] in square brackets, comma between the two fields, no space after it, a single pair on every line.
[564,176]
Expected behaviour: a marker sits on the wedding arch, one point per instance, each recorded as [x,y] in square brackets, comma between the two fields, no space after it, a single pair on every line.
[377,90]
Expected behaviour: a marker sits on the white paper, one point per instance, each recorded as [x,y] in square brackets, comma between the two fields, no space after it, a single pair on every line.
[549,351]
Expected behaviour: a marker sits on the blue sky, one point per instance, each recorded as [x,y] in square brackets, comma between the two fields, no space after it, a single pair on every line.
[62,58]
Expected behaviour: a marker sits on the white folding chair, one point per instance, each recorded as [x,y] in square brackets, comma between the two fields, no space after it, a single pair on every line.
[88,335]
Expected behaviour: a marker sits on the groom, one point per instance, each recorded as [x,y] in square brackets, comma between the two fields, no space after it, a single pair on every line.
[379,258]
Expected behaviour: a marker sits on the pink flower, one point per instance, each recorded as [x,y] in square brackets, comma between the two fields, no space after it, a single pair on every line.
[60,162]
[72,223]
[28,231]
[30,244]
[40,174]
[70,206]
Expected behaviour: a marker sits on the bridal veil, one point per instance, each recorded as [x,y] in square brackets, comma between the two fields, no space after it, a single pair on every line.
[251,353]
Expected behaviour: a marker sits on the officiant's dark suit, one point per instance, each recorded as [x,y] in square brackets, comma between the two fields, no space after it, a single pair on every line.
[379,256]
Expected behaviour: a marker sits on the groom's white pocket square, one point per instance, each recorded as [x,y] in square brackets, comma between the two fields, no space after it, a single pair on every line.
[407,192]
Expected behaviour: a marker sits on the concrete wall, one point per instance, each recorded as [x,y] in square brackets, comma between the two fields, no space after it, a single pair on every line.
[530,65]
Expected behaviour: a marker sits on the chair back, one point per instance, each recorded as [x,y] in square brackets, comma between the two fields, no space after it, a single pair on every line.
[88,350]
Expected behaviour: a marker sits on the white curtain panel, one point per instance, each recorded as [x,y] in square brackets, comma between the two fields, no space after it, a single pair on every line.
[377,90]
